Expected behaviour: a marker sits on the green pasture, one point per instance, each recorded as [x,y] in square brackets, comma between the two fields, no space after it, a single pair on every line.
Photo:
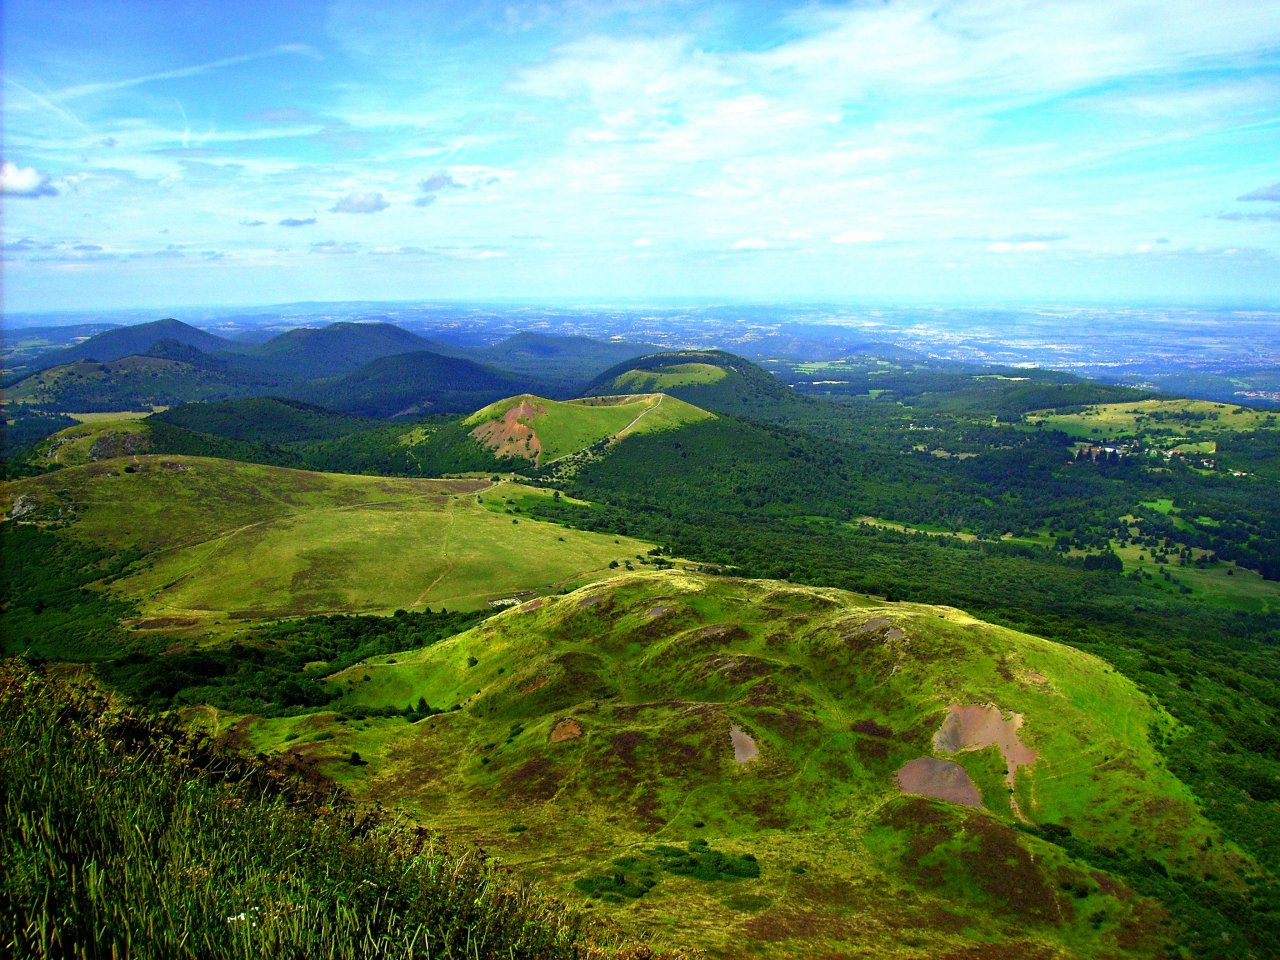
[1170,417]
[1221,584]
[227,541]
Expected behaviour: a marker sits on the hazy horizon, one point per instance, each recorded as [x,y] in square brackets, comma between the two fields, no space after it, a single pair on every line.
[961,154]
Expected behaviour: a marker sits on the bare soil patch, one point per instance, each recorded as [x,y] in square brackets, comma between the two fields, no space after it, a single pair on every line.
[972,727]
[941,779]
[744,747]
[566,729]
[511,435]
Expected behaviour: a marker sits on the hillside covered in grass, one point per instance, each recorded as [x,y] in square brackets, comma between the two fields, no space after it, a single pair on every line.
[542,431]
[713,379]
[224,542]
[755,766]
[121,836]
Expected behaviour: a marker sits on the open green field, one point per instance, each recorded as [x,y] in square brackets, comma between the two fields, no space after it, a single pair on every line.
[227,542]
[937,531]
[115,415]
[546,430]
[595,740]
[674,375]
[1187,418]
[1240,588]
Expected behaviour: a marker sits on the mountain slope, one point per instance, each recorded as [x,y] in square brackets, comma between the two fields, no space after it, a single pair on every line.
[229,542]
[711,379]
[180,374]
[264,420]
[541,431]
[128,341]
[413,384]
[564,364]
[330,351]
[796,766]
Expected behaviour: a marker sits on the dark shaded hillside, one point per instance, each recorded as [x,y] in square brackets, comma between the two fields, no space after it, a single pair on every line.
[268,420]
[564,364]
[412,385]
[339,348]
[176,374]
[129,341]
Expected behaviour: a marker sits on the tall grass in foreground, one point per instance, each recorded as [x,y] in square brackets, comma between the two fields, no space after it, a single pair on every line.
[121,837]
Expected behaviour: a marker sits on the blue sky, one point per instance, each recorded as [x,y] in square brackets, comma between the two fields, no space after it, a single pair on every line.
[226,152]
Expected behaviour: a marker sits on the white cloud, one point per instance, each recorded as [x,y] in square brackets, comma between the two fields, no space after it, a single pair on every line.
[360,203]
[19,181]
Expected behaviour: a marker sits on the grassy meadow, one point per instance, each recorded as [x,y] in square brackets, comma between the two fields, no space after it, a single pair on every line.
[226,542]
[1186,418]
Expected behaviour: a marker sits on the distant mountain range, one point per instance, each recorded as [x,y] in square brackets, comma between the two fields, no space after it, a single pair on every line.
[371,369]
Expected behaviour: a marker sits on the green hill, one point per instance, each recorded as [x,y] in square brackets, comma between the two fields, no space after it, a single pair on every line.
[541,431]
[413,384]
[745,765]
[330,351]
[185,851]
[108,436]
[130,383]
[564,364]
[711,379]
[120,342]
[226,542]
[264,420]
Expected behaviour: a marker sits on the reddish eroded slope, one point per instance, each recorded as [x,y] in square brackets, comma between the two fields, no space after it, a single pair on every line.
[511,435]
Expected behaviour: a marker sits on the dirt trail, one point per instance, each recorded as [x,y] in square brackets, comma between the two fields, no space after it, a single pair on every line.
[444,555]
[645,412]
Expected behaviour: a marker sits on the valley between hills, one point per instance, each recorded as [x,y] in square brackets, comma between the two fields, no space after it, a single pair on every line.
[879,657]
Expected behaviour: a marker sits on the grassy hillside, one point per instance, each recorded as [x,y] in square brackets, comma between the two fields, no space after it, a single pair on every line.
[226,542]
[109,435]
[728,762]
[542,431]
[187,852]
[711,379]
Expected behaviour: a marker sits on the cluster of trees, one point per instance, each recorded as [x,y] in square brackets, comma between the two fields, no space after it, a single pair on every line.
[278,669]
